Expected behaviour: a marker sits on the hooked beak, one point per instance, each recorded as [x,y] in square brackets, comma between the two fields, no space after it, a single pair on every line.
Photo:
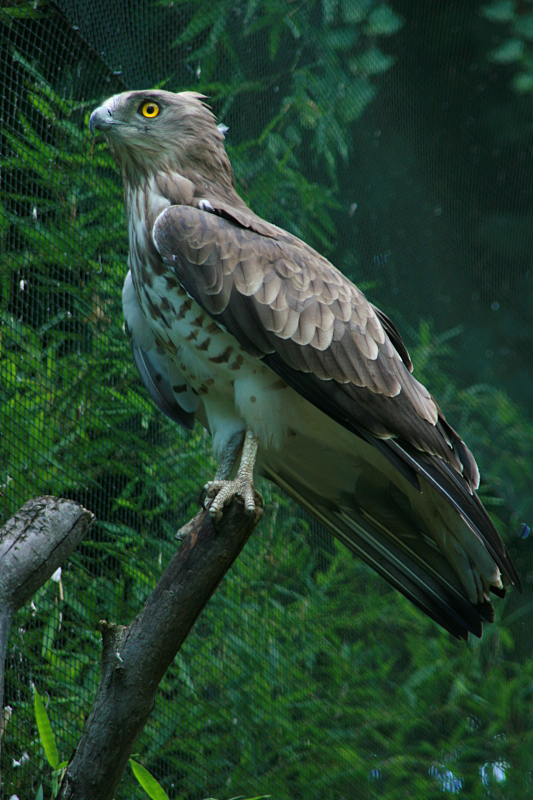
[101,119]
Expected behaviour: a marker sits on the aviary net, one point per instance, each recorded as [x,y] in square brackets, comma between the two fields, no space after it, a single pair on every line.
[394,137]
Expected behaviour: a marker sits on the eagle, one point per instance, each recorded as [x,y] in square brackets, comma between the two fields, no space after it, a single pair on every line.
[296,375]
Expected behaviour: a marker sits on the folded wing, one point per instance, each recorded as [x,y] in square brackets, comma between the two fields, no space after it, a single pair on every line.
[287,305]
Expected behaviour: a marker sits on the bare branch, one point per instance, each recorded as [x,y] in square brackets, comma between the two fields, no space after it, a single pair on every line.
[136,657]
[33,544]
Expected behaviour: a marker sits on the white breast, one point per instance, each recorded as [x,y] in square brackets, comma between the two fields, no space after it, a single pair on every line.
[238,390]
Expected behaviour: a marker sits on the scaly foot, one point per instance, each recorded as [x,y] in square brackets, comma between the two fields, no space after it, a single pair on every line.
[222,492]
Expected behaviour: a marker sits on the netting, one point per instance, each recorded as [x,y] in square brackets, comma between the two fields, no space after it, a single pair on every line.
[394,138]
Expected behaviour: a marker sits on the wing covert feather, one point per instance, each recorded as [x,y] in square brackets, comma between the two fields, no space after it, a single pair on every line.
[282,300]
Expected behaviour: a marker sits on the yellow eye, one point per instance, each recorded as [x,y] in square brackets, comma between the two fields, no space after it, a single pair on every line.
[149,109]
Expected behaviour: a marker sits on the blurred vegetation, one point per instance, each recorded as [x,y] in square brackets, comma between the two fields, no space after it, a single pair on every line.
[306,677]
[516,48]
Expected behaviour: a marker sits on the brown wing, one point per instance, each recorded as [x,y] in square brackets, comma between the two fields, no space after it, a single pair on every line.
[287,304]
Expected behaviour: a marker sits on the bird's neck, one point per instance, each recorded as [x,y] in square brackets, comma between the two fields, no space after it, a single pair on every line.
[175,185]
[146,198]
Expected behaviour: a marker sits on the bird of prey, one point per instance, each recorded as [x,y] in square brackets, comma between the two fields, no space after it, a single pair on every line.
[296,375]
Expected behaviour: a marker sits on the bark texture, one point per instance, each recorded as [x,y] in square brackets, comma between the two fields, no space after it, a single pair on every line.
[136,657]
[33,544]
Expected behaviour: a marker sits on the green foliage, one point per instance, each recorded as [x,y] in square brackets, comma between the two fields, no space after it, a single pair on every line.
[45,731]
[155,791]
[56,297]
[153,788]
[314,64]
[484,415]
[48,742]
[516,49]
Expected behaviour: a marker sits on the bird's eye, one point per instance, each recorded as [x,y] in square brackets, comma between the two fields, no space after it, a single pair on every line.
[149,109]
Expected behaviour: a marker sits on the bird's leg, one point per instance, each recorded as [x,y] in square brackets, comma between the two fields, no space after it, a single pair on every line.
[221,490]
[229,457]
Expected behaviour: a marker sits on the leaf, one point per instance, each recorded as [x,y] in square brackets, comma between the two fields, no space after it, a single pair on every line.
[524,26]
[499,11]
[259,797]
[371,62]
[354,12]
[46,735]
[383,21]
[153,788]
[509,51]
[523,82]
[25,11]
[202,20]
[329,10]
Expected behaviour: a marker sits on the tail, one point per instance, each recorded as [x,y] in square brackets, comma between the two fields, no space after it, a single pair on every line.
[389,536]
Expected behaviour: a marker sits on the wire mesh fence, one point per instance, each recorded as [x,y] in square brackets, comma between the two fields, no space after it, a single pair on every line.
[394,140]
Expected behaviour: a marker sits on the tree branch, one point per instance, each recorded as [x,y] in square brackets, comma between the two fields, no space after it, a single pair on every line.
[33,544]
[136,657]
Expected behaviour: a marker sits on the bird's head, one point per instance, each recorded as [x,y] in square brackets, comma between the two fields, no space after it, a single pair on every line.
[153,130]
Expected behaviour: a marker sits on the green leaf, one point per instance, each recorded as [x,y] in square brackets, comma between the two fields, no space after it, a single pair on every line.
[524,26]
[509,51]
[499,11]
[383,21]
[46,734]
[329,10]
[40,794]
[202,20]
[259,797]
[371,62]
[354,12]
[523,82]
[153,788]
[24,12]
